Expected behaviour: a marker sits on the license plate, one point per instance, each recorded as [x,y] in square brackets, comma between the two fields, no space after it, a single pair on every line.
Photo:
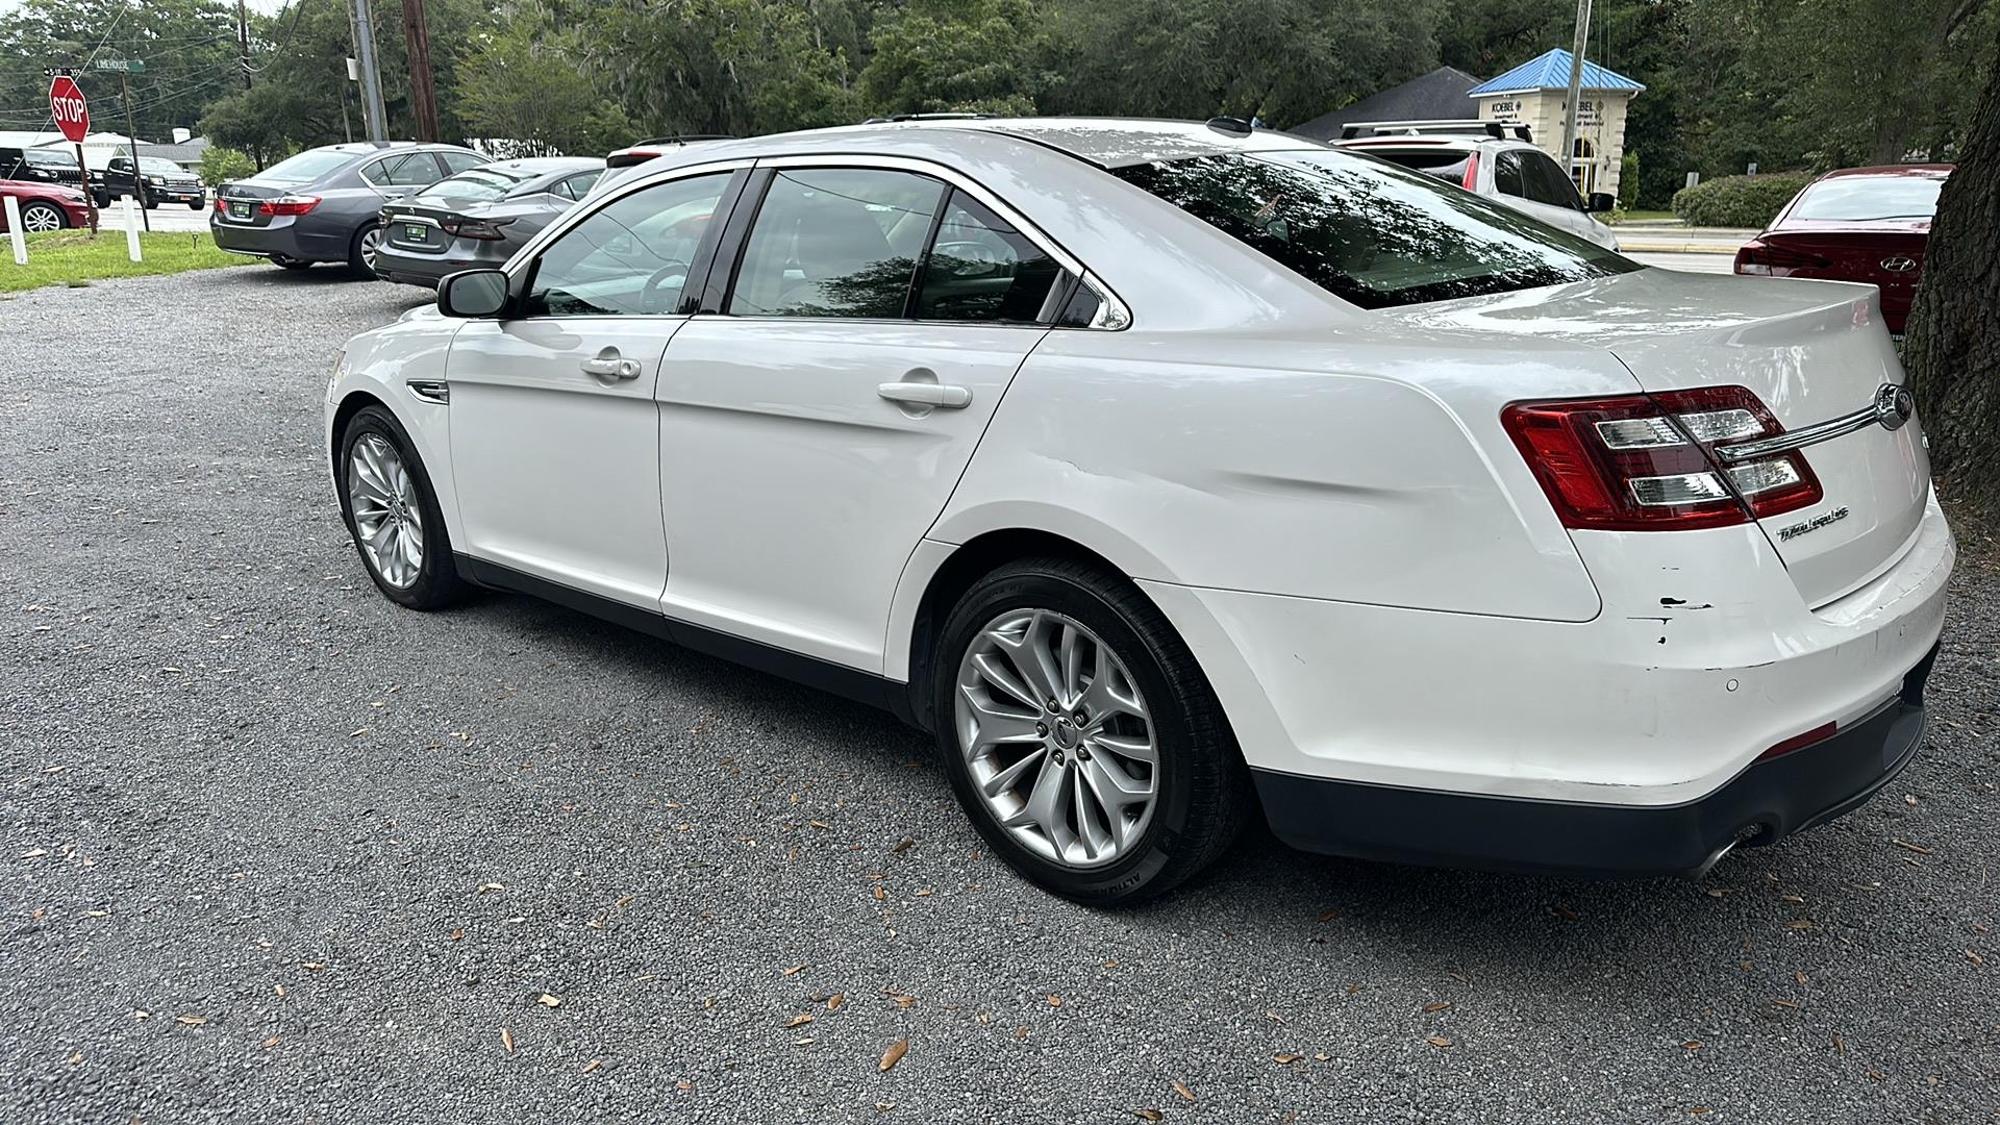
[239,210]
[415,232]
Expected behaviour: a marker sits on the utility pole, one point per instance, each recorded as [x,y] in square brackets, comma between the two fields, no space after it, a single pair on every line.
[423,92]
[1575,85]
[243,40]
[374,118]
[132,138]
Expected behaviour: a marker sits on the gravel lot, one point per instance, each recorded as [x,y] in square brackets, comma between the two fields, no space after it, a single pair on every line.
[276,850]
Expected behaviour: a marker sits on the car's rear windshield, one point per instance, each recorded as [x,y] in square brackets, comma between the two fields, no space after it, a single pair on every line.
[307,166]
[477,183]
[1859,198]
[1440,162]
[1371,233]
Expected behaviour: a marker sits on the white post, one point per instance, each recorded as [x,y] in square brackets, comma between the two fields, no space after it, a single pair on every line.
[15,234]
[131,229]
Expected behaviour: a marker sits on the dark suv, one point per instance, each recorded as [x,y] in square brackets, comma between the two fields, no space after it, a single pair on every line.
[325,204]
[159,181]
[41,165]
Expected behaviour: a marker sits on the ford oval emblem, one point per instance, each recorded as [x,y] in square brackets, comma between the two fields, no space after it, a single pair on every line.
[1894,406]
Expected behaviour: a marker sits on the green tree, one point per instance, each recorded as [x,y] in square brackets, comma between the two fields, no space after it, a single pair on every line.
[527,83]
[188,48]
[986,56]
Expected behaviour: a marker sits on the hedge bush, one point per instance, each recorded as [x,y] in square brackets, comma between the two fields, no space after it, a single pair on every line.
[1738,201]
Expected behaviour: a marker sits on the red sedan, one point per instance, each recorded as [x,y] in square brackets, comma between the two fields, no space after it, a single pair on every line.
[45,207]
[1857,224]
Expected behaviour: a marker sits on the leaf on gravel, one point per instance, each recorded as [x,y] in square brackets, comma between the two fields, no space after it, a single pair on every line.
[34,853]
[457,935]
[903,1001]
[1562,910]
[484,887]
[881,893]
[893,1055]
[1439,1041]
[1692,1045]
[1437,1005]
[1055,1001]
[507,1040]
[1286,1060]
[280,990]
[1974,957]
[1715,892]
[1792,898]
[1697,1111]
[834,1001]
[799,1020]
[1181,1088]
[593,1066]
[549,1000]
[1839,1043]
[1785,1003]
[904,844]
[312,966]
[190,1019]
[1801,978]
[795,970]
[270,1043]
[1328,915]
[1149,1115]
[1909,847]
[1799,924]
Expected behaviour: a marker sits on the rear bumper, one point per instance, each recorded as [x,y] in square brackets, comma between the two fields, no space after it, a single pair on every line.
[426,270]
[289,239]
[1765,803]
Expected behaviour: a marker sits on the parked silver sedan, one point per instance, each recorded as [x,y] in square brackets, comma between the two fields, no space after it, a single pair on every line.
[479,217]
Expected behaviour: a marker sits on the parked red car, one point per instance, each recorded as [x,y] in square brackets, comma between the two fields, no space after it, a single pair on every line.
[45,206]
[1857,224]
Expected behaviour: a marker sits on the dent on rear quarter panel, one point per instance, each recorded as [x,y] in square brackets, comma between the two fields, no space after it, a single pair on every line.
[1296,478]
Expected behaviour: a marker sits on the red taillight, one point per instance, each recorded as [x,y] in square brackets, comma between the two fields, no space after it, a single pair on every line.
[288,205]
[1758,258]
[1471,180]
[486,230]
[1646,463]
[219,205]
[1819,733]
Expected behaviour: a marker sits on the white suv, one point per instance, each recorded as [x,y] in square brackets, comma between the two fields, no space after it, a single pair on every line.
[1489,159]
[1169,473]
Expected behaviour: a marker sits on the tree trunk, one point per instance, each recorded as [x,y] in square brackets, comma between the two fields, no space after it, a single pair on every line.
[1953,348]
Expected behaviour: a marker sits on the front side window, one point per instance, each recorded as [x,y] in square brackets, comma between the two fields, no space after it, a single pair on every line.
[836,242]
[1372,234]
[579,185]
[630,258]
[1547,183]
[461,161]
[980,268]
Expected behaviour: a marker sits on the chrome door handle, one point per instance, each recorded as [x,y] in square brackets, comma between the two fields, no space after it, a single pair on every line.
[611,368]
[926,394]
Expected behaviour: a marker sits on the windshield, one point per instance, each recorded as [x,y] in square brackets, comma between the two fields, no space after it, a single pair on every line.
[41,159]
[160,165]
[1370,233]
[306,166]
[479,183]
[1859,198]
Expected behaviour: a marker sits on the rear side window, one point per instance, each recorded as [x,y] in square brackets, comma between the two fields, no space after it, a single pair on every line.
[461,161]
[836,242]
[1443,163]
[306,166]
[1547,184]
[413,169]
[1373,235]
[577,186]
[980,268]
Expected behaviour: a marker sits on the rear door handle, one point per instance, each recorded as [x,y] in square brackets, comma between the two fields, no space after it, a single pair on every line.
[610,367]
[944,397]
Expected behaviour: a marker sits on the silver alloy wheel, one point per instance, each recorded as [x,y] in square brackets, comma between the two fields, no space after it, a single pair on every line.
[1057,738]
[371,241]
[41,218]
[388,518]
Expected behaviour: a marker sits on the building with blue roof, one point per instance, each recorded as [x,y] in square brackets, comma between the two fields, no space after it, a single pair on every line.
[1536,94]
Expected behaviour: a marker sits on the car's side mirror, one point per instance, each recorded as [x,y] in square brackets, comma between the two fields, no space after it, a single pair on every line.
[1600,201]
[471,294]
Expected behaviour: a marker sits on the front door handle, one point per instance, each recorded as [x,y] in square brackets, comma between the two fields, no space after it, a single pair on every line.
[611,367]
[943,397]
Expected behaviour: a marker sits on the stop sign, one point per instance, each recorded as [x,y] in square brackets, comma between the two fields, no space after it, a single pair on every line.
[71,114]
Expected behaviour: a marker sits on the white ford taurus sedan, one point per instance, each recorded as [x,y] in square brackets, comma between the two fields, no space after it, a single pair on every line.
[1174,473]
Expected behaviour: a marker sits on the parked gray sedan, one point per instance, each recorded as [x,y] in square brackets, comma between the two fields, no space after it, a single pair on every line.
[324,204]
[479,217]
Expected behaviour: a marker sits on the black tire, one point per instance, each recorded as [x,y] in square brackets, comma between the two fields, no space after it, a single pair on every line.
[1203,789]
[357,264]
[437,584]
[196,205]
[28,212]
[283,262]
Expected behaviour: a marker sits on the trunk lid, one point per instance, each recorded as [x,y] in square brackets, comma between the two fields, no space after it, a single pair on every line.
[1889,256]
[1812,351]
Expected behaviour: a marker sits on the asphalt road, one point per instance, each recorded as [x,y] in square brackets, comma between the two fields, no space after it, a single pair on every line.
[275,850]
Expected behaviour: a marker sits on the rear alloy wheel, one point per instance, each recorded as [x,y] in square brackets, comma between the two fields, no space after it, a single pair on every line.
[393,513]
[361,258]
[1081,737]
[40,218]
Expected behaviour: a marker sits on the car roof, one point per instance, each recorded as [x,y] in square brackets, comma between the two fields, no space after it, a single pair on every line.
[1931,171]
[1108,142]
